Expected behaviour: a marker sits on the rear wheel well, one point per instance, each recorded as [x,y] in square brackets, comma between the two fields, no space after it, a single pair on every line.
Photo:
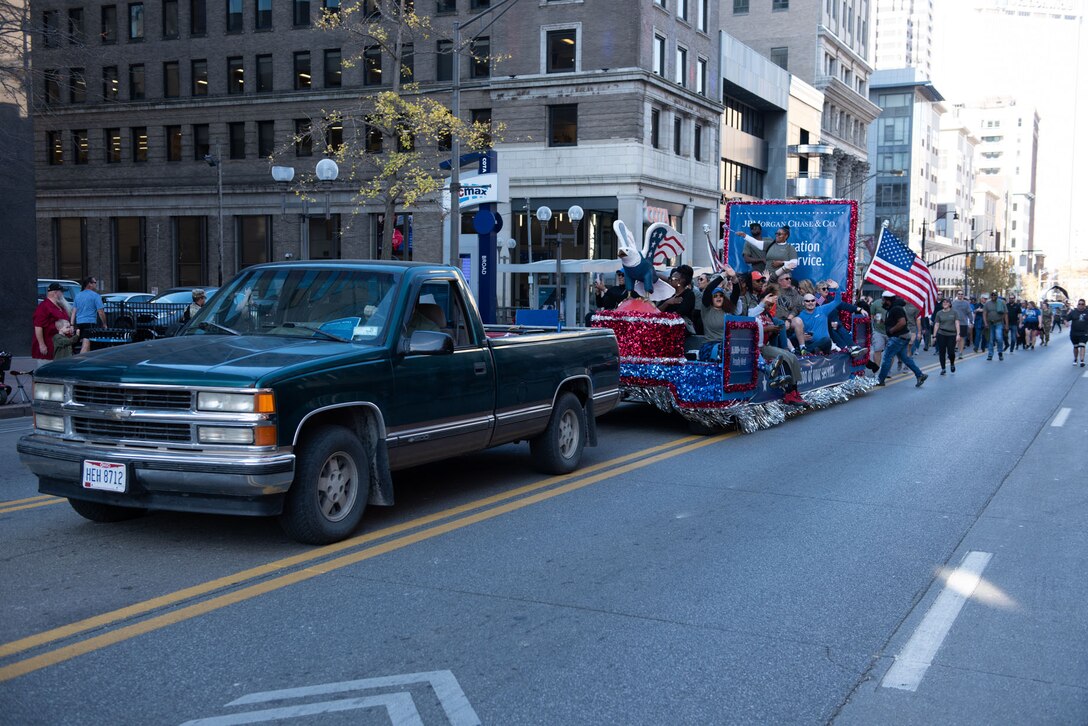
[578,386]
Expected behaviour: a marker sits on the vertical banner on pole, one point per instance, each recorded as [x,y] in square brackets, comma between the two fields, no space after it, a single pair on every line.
[487,224]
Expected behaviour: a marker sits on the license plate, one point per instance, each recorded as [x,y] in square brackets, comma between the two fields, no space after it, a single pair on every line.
[106,475]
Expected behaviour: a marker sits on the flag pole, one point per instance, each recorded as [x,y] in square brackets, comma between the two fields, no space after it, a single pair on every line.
[876,249]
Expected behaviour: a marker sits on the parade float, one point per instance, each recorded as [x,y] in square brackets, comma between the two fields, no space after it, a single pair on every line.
[658,364]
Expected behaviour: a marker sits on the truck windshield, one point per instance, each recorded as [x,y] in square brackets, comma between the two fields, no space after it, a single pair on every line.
[349,305]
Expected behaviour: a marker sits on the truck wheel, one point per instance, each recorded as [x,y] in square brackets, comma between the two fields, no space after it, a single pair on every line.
[332,483]
[99,512]
[559,449]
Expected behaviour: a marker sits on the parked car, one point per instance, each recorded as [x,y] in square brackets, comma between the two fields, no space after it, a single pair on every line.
[157,317]
[133,297]
[301,387]
[71,287]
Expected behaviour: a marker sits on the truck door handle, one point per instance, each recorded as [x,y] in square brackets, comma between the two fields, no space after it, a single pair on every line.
[479,368]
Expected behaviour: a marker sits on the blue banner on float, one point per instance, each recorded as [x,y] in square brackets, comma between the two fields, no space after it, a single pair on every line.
[822,232]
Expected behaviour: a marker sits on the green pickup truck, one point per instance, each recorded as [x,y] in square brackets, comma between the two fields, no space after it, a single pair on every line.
[300,386]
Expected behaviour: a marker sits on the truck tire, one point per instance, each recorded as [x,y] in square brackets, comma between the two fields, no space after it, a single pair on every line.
[332,483]
[99,512]
[559,449]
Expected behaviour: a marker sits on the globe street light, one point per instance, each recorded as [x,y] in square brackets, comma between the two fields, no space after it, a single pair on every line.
[543,215]
[576,213]
[326,172]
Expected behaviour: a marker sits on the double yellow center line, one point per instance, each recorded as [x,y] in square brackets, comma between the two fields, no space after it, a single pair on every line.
[16,505]
[322,560]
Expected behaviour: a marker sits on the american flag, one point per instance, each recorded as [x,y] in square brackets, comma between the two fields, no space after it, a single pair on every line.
[896,269]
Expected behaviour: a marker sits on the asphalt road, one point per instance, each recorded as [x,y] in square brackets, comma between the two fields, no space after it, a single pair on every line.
[914,556]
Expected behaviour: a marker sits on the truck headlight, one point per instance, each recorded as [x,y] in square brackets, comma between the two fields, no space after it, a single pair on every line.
[260,435]
[260,402]
[48,391]
[49,423]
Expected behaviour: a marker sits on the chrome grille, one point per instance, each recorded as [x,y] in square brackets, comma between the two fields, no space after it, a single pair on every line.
[97,428]
[136,398]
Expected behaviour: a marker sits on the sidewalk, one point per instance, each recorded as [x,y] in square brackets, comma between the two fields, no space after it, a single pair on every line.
[22,408]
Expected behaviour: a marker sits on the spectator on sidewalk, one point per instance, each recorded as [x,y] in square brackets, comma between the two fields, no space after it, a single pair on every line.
[49,312]
[88,313]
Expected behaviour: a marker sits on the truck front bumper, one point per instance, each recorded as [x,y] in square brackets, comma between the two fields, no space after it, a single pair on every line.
[253,484]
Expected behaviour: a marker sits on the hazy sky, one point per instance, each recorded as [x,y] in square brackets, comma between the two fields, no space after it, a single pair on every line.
[1042,62]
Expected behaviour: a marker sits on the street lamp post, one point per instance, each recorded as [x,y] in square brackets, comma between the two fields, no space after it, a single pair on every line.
[543,214]
[576,213]
[326,172]
[217,161]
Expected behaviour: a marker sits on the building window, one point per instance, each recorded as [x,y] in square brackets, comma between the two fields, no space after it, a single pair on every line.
[682,66]
[139,144]
[171,79]
[136,21]
[236,75]
[136,87]
[677,135]
[77,86]
[77,34]
[303,78]
[741,179]
[198,17]
[200,77]
[655,128]
[781,57]
[659,55]
[70,241]
[51,28]
[482,117]
[173,143]
[481,58]
[52,86]
[169,18]
[325,237]
[237,134]
[234,16]
[254,234]
[700,76]
[334,135]
[446,6]
[108,32]
[264,15]
[266,138]
[129,253]
[201,144]
[704,15]
[742,118]
[301,13]
[81,148]
[782,4]
[562,50]
[373,143]
[444,61]
[740,7]
[333,68]
[682,9]
[479,4]
[407,63]
[372,66]
[331,7]
[264,73]
[697,148]
[563,125]
[54,148]
[190,243]
[111,139]
[304,142]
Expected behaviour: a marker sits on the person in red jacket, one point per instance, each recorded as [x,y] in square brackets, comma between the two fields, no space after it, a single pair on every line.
[49,311]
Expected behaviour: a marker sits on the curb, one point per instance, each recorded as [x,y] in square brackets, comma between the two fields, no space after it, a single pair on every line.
[15,410]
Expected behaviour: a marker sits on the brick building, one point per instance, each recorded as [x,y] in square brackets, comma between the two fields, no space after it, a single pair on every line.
[612,105]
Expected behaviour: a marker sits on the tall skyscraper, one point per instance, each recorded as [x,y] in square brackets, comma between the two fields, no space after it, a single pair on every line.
[903,35]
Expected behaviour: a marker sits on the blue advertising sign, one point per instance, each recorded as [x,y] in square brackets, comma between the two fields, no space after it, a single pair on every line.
[821,232]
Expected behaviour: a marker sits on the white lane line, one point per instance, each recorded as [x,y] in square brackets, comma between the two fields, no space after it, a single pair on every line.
[1085,374]
[917,655]
[1059,420]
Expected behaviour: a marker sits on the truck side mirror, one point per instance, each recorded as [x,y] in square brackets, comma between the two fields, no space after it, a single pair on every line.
[430,342]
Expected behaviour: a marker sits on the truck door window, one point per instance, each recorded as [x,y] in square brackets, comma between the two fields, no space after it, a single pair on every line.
[439,306]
